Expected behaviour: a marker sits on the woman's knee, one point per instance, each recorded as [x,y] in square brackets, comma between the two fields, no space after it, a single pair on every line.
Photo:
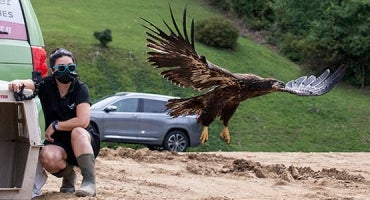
[80,135]
[51,157]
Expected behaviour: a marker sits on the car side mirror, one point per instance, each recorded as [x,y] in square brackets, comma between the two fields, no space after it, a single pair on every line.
[110,108]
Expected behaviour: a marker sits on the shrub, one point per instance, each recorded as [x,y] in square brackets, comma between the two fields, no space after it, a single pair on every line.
[221,4]
[258,15]
[217,32]
[104,37]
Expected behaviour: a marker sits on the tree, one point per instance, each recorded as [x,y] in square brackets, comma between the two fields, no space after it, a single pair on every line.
[344,34]
[104,37]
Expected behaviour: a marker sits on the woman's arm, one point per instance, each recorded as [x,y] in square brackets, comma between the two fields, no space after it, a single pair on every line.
[82,118]
[15,85]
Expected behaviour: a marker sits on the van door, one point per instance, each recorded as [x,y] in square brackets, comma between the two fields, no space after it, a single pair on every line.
[16,27]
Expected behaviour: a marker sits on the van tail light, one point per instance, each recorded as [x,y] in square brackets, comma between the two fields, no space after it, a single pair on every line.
[39,60]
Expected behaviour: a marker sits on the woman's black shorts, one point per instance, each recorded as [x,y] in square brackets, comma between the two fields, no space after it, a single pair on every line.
[63,139]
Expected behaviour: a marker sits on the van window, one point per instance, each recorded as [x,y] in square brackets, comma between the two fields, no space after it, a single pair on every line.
[12,24]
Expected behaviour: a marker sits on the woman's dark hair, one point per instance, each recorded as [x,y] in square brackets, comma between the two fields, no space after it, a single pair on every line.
[58,53]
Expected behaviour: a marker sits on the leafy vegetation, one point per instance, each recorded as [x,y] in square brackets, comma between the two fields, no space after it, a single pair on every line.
[313,33]
[338,121]
[104,37]
[258,15]
[217,32]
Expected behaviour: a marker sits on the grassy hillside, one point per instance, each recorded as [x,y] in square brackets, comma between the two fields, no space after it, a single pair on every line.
[338,121]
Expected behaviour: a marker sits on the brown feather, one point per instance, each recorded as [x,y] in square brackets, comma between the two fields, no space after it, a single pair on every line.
[186,67]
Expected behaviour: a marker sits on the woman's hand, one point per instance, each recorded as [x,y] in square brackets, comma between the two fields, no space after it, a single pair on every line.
[15,85]
[49,132]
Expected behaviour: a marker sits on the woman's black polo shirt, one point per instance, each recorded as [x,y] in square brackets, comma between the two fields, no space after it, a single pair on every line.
[61,108]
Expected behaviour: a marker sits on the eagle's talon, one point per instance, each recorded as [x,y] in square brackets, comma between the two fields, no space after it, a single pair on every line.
[225,135]
[204,136]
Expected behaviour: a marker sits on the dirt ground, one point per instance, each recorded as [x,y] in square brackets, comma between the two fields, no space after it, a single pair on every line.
[125,173]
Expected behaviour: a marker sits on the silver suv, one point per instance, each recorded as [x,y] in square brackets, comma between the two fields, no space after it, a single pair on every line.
[140,118]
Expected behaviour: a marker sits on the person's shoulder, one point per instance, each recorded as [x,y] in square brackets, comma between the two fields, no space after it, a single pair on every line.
[80,85]
[48,80]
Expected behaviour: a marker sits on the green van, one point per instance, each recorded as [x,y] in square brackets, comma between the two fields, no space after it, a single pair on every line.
[21,42]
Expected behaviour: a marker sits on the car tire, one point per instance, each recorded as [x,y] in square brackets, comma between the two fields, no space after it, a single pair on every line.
[176,141]
[94,129]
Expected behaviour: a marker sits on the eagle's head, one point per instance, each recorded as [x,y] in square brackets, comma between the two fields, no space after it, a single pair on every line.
[270,85]
[253,85]
[258,86]
[277,84]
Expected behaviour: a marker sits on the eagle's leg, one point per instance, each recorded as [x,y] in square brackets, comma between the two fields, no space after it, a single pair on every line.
[227,113]
[225,134]
[204,136]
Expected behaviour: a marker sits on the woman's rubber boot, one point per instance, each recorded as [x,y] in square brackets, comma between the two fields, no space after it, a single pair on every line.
[69,177]
[86,162]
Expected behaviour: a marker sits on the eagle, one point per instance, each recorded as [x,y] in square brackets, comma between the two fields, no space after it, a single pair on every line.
[223,91]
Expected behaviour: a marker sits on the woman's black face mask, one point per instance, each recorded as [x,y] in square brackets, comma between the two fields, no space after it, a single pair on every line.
[64,77]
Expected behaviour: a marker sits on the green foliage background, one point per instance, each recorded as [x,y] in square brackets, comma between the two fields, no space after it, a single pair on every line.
[338,121]
[316,33]
[217,32]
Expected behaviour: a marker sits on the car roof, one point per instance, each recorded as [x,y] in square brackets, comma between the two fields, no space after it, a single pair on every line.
[140,94]
[101,102]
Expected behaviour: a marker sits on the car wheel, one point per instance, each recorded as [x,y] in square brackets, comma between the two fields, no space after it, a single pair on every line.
[176,141]
[94,129]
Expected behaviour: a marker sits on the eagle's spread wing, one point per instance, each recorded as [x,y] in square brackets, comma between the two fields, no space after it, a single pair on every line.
[176,51]
[315,86]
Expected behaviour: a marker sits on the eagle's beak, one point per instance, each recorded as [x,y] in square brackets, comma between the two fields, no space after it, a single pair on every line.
[278,85]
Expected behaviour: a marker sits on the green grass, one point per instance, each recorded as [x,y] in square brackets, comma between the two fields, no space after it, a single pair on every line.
[338,121]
